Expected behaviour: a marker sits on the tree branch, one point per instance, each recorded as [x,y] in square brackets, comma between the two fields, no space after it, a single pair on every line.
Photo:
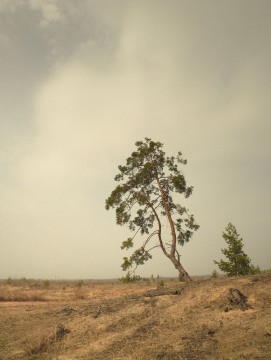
[156,246]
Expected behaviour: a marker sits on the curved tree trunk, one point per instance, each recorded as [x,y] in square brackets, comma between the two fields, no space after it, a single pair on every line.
[180,268]
[172,254]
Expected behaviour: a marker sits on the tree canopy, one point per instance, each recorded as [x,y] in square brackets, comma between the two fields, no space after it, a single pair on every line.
[238,263]
[143,199]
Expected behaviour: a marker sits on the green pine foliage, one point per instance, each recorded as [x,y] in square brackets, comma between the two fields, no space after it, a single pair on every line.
[144,199]
[237,263]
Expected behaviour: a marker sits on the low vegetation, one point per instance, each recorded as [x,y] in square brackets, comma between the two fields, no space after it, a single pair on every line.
[214,318]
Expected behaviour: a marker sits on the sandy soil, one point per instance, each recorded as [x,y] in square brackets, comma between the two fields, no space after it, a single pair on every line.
[136,321]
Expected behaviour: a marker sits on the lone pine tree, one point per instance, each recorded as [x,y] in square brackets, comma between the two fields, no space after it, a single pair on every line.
[144,199]
[238,262]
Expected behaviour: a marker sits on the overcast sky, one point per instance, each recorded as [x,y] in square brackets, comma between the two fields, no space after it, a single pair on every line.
[82,80]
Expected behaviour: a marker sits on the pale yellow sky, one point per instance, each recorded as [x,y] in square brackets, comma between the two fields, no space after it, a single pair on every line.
[81,83]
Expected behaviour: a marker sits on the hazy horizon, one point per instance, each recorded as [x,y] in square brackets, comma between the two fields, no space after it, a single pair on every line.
[82,81]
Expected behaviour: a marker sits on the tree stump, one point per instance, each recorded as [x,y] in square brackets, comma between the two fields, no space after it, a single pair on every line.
[235,297]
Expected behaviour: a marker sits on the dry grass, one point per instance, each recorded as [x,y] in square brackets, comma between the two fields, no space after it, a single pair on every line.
[138,321]
[43,343]
[15,295]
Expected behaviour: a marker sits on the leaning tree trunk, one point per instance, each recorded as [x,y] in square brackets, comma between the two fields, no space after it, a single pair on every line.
[180,268]
[172,253]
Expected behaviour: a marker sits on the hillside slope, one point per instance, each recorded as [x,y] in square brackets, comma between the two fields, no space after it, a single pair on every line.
[116,321]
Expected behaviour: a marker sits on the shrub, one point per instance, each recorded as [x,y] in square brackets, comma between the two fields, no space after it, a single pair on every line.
[214,274]
[80,283]
[128,278]
[9,281]
[255,270]
[46,283]
[161,283]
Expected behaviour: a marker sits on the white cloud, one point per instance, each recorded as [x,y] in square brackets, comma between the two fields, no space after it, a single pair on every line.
[50,11]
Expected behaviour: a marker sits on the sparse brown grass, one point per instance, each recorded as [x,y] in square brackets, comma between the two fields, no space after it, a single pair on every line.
[15,295]
[43,342]
[138,321]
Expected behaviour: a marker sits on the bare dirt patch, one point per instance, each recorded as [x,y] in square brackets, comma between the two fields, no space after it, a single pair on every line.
[138,321]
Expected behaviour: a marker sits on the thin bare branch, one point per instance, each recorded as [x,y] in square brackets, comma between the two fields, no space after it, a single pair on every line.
[156,246]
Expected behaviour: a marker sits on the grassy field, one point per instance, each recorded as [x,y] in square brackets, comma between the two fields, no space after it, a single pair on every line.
[92,320]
